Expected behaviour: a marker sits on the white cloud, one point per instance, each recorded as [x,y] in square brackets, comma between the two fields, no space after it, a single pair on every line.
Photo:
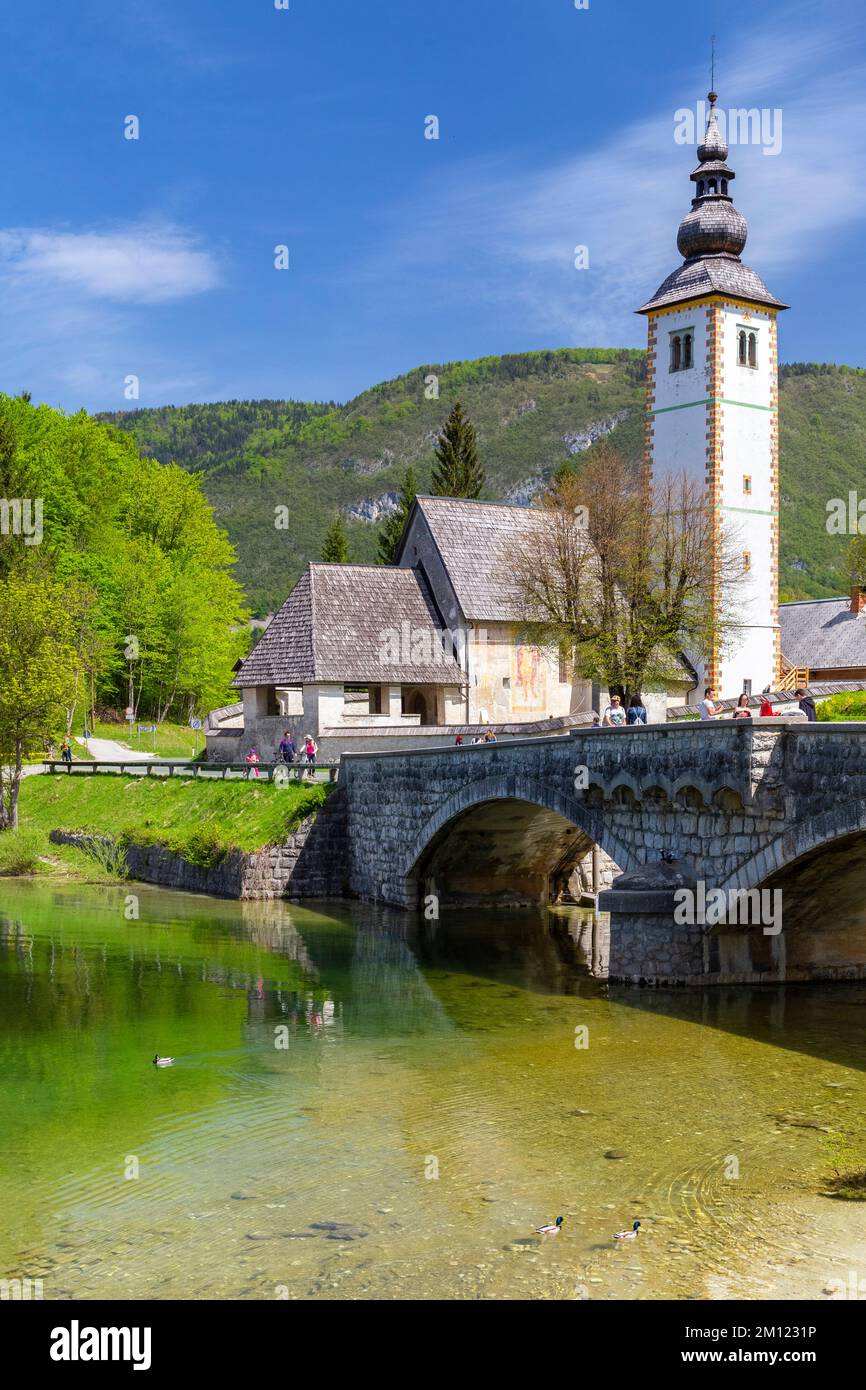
[140,264]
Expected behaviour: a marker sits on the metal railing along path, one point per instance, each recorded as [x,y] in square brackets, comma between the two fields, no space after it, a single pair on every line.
[173,767]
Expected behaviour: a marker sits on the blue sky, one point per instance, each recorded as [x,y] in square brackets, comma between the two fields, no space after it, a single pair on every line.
[305,127]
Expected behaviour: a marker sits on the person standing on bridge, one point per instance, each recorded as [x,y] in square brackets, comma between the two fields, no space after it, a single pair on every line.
[807,704]
[66,749]
[287,748]
[708,708]
[636,712]
[614,715]
[742,711]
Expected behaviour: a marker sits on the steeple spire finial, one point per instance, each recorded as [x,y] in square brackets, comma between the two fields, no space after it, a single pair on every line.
[713,69]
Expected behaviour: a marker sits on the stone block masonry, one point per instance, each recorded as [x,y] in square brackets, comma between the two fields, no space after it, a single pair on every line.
[739,804]
[310,863]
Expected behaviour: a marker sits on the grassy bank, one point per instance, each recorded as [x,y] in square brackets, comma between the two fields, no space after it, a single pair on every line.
[202,820]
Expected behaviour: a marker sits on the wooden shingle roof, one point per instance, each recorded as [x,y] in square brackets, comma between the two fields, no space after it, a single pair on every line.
[364,624]
[823,634]
[725,275]
[477,542]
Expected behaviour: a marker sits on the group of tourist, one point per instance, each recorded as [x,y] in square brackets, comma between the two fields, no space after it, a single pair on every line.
[709,709]
[288,752]
[288,749]
[617,717]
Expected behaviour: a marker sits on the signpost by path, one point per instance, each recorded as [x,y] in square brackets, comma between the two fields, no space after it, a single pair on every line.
[195,724]
[147,729]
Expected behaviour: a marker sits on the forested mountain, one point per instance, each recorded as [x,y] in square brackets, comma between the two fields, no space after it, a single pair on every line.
[276,472]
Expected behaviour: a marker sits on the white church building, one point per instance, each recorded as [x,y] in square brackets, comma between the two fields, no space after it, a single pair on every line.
[713,411]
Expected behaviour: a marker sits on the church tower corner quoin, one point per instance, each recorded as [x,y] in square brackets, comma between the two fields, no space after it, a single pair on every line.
[712,411]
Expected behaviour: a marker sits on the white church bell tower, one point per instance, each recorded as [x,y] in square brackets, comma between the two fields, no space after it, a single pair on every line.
[713,409]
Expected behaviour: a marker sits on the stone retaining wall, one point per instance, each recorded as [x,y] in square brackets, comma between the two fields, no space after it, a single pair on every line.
[311,863]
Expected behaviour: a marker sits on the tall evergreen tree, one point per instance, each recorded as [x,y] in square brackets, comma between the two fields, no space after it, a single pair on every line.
[457,471]
[392,530]
[335,546]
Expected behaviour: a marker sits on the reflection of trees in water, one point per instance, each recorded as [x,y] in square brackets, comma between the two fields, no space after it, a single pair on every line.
[67,949]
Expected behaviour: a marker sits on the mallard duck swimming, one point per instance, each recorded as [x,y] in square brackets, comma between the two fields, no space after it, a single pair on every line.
[628,1235]
[162,1061]
[551,1230]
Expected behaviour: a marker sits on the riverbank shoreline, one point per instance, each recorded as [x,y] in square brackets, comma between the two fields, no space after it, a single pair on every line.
[235,840]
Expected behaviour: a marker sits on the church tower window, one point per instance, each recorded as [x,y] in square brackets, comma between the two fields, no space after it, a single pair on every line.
[682,350]
[747,347]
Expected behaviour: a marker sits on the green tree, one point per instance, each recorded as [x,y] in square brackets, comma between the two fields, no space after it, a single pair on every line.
[856,561]
[138,554]
[617,577]
[395,523]
[335,546]
[38,664]
[457,471]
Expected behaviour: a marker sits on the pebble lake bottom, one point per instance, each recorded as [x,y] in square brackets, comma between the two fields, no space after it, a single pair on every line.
[368,1106]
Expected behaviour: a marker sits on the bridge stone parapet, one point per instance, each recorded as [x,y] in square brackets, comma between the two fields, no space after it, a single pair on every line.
[736,802]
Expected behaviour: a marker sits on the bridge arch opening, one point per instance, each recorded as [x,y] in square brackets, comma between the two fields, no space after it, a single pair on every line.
[821,904]
[508,852]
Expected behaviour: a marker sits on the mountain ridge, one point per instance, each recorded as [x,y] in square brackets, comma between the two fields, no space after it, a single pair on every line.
[533,412]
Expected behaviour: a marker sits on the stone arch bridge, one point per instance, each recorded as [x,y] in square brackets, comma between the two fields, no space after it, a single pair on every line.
[738,806]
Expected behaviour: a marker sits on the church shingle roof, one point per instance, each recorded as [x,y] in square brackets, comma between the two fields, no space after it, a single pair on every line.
[356,624]
[477,542]
[712,275]
[823,634]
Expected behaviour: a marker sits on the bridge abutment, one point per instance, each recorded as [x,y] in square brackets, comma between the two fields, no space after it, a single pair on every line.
[648,946]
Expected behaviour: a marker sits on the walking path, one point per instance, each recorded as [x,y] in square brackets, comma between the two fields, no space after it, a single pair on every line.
[106,750]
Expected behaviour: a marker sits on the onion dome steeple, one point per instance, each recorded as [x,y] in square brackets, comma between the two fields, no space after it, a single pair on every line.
[713,227]
[712,235]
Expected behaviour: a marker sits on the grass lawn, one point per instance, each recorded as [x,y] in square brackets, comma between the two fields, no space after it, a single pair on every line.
[199,819]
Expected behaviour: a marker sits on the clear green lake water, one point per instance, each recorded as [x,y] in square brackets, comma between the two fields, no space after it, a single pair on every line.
[428,1110]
